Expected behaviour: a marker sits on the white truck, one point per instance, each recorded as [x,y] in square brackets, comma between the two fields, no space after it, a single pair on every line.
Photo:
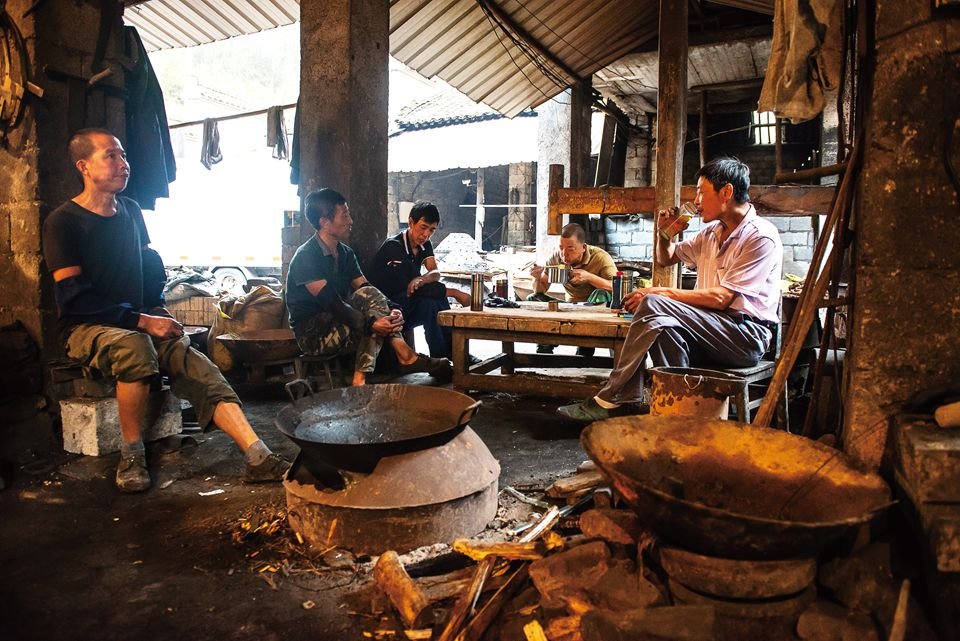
[228,218]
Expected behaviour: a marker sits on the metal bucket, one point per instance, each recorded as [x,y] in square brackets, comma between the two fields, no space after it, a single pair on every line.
[688,391]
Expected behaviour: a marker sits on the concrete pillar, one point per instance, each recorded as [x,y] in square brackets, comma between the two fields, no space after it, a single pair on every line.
[343,97]
[563,138]
[521,191]
[904,325]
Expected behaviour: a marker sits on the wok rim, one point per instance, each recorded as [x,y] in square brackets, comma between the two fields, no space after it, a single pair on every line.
[307,402]
[780,523]
[714,512]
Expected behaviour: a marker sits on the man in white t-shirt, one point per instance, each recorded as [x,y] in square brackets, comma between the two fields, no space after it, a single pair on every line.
[727,320]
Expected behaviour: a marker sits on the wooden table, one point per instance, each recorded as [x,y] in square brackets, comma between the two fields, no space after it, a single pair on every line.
[577,325]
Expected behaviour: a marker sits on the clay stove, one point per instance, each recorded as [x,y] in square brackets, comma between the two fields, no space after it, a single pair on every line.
[431,491]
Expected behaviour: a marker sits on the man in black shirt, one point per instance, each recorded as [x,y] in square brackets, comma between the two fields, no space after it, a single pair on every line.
[333,309]
[398,271]
[109,291]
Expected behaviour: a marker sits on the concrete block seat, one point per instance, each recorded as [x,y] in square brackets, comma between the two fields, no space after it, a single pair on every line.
[88,410]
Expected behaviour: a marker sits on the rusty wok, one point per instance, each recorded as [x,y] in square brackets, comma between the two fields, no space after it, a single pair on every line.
[727,489]
[352,428]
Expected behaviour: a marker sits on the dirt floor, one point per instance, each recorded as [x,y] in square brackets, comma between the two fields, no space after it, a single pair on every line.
[201,555]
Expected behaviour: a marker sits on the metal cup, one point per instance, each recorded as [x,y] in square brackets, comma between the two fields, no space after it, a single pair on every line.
[476,292]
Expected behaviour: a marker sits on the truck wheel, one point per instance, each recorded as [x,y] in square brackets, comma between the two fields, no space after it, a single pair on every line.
[230,279]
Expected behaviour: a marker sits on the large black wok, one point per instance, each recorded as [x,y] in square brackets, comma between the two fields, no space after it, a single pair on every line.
[727,489]
[352,428]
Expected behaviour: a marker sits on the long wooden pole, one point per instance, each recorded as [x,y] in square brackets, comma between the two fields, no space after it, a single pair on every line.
[808,304]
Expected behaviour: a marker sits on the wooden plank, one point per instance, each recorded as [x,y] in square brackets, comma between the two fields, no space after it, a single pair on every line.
[549,386]
[770,200]
[546,361]
[532,337]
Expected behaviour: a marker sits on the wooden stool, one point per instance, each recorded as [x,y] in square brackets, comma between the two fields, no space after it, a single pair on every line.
[303,367]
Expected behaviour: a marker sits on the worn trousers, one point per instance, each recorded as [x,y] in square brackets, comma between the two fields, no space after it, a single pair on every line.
[423,310]
[676,334]
[322,335]
[129,356]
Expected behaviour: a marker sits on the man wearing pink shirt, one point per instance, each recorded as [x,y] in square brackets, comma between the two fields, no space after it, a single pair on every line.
[727,320]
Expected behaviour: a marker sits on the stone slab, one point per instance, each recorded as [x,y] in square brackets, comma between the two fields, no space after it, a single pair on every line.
[928,458]
[91,426]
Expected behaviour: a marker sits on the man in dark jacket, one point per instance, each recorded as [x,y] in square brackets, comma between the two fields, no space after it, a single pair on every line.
[109,288]
[405,270]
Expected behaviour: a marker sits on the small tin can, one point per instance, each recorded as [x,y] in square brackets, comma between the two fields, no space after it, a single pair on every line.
[553,306]
[476,292]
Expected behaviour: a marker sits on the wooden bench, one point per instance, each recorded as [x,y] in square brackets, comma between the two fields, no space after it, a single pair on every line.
[577,325]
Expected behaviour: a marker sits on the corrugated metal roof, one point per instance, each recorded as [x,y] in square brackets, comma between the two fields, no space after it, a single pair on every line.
[632,80]
[486,54]
[472,50]
[167,24]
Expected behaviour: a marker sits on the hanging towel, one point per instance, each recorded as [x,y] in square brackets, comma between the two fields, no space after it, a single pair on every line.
[149,149]
[805,58]
[277,133]
[295,151]
[210,148]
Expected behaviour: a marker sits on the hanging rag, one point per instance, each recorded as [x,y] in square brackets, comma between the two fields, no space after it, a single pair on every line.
[295,151]
[210,147]
[805,58]
[277,133]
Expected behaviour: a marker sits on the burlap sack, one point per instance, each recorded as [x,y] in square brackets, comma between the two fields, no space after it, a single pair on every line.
[262,308]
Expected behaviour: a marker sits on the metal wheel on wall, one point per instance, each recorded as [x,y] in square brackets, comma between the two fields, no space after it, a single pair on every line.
[14,75]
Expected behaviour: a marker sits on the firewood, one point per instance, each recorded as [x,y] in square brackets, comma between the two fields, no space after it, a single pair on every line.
[468,599]
[479,624]
[405,595]
[509,550]
[564,629]
[534,631]
[576,484]
[438,588]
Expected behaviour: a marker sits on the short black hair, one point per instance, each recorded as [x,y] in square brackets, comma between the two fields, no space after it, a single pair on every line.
[425,210]
[322,204]
[575,231]
[721,171]
[80,146]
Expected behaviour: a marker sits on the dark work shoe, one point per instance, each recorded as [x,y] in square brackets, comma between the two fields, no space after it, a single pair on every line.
[270,470]
[132,474]
[436,367]
[473,360]
[545,349]
[589,411]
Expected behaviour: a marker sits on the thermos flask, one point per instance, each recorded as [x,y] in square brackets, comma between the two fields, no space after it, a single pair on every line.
[476,292]
[615,300]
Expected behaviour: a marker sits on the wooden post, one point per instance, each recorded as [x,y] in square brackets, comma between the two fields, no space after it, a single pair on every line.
[671,119]
[703,128]
[778,147]
[554,215]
